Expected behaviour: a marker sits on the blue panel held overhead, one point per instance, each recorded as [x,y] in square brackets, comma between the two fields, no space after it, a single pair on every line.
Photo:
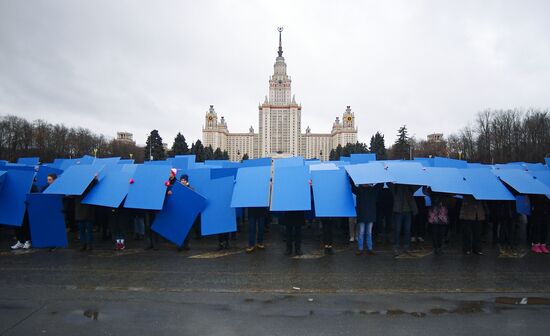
[75,180]
[252,187]
[332,194]
[148,189]
[291,189]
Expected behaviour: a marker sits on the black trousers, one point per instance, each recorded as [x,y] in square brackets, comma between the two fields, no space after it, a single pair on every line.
[152,236]
[328,227]
[23,232]
[293,223]
[471,236]
[438,231]
[539,230]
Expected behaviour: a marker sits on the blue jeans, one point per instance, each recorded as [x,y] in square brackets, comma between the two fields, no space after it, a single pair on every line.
[252,222]
[85,231]
[402,221]
[365,234]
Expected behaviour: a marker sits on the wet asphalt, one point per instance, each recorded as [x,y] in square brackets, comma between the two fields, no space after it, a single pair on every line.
[208,292]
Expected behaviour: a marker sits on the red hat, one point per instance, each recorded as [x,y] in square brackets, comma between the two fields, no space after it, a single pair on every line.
[173,171]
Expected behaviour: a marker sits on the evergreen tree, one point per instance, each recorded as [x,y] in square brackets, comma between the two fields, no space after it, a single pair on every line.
[218,154]
[401,147]
[208,153]
[180,145]
[225,155]
[245,157]
[198,149]
[336,153]
[378,147]
[154,147]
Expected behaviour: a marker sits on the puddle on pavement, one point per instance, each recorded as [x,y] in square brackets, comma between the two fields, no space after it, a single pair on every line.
[91,314]
[534,301]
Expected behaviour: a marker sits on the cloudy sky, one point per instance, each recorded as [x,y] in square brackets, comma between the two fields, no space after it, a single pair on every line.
[137,65]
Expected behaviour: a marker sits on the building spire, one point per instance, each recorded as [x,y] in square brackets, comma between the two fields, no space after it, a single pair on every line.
[280,29]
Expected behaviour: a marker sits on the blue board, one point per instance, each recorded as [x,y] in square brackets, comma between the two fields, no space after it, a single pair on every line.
[252,187]
[485,185]
[426,162]
[362,158]
[547,160]
[42,175]
[199,178]
[17,183]
[523,205]
[522,181]
[288,162]
[218,216]
[223,172]
[107,161]
[323,166]
[30,161]
[291,189]
[449,163]
[179,212]
[75,180]
[369,173]
[46,220]
[332,194]
[111,189]
[182,163]
[3,175]
[148,190]
[257,162]
[448,180]
[408,172]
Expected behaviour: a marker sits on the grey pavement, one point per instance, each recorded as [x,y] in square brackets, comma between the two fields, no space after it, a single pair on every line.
[209,292]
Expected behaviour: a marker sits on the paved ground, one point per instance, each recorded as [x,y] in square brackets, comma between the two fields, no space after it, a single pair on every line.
[205,292]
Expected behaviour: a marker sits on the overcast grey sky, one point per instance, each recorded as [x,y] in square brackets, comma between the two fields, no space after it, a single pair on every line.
[137,65]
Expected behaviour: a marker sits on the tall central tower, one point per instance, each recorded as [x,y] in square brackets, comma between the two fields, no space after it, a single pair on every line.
[279,115]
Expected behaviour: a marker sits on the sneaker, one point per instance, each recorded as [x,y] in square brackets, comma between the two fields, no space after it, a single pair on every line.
[420,239]
[17,245]
[351,240]
[122,246]
[250,249]
[544,249]
[536,248]
[27,245]
[260,246]
[413,239]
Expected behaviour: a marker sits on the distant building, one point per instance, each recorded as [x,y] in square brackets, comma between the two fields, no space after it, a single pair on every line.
[279,133]
[435,137]
[125,137]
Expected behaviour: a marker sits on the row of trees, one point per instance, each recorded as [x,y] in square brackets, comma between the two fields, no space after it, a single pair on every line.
[20,138]
[496,136]
[154,149]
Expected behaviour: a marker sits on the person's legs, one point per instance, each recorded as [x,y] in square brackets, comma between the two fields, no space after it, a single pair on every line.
[407,230]
[368,234]
[251,231]
[289,234]
[89,233]
[298,237]
[261,230]
[360,236]
[476,230]
[466,236]
[397,221]
[351,224]
[82,232]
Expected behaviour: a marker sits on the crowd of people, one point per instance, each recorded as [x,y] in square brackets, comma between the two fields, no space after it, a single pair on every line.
[394,214]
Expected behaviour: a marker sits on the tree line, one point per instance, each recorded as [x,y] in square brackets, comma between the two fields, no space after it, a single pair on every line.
[495,136]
